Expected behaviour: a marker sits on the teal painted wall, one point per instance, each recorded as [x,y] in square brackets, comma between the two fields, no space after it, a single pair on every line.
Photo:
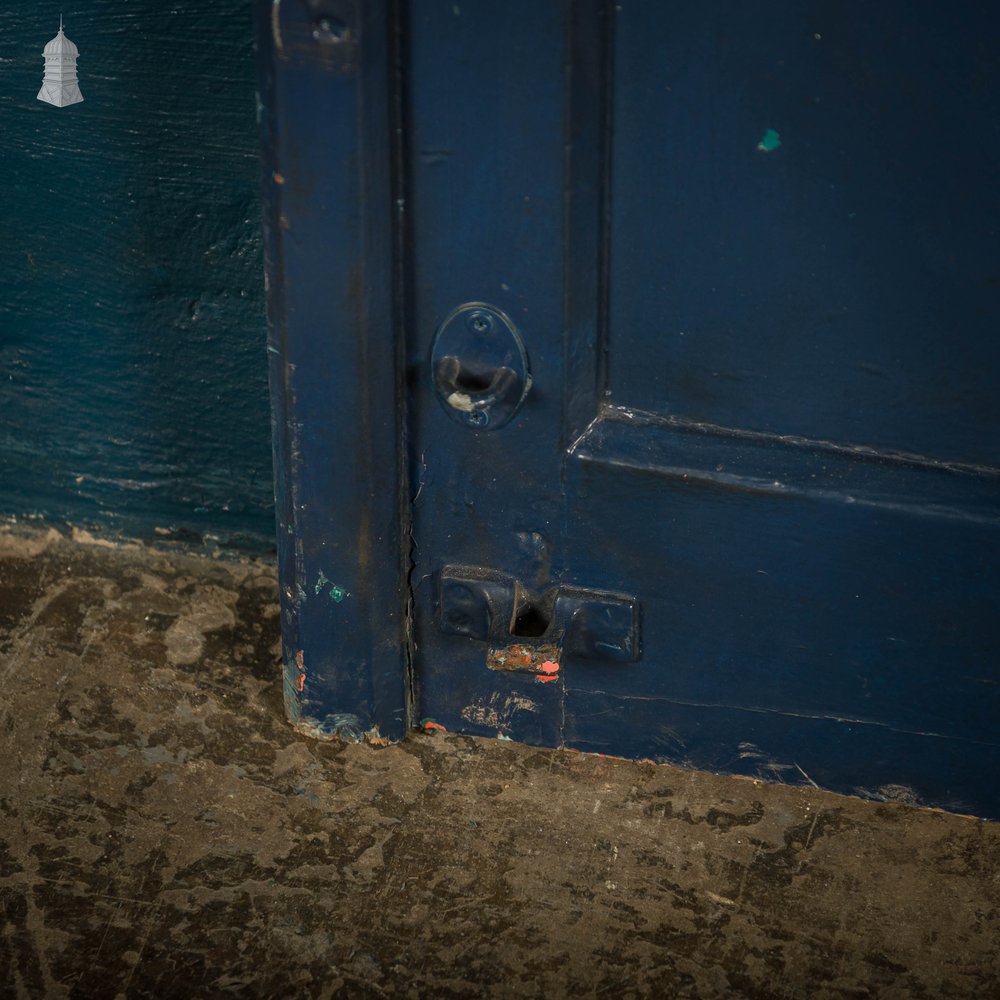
[133,387]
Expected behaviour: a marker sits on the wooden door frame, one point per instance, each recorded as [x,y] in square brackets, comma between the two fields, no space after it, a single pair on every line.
[329,99]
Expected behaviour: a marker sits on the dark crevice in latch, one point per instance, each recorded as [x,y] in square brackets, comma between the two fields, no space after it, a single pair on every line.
[530,621]
[532,613]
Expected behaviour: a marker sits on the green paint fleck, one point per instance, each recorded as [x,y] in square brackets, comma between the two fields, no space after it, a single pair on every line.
[770,142]
[336,593]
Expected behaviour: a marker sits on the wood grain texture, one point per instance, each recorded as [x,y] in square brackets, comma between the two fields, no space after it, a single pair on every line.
[132,365]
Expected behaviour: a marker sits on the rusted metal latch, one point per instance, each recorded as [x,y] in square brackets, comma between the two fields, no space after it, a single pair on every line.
[533,631]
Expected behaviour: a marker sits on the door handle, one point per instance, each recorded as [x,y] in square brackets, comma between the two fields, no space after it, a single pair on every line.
[479,367]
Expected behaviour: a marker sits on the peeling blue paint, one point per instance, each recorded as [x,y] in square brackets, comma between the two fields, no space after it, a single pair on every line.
[343,726]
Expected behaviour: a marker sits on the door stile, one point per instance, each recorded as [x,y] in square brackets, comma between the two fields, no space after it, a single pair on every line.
[331,181]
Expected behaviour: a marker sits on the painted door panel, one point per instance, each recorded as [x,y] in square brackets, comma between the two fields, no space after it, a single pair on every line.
[838,287]
[763,392]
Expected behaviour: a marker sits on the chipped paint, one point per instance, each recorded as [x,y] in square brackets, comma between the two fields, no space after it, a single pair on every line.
[300,666]
[499,711]
[337,593]
[343,726]
[770,142]
[292,698]
[542,660]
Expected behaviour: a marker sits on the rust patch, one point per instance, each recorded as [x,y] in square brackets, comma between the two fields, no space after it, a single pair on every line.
[542,661]
[300,666]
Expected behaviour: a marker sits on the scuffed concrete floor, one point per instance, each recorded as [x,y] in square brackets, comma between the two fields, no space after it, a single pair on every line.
[164,833]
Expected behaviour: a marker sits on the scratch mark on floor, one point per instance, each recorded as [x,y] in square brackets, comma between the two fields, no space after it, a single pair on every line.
[812,827]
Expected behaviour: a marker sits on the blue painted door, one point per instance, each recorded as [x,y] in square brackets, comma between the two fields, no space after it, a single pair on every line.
[634,370]
[702,305]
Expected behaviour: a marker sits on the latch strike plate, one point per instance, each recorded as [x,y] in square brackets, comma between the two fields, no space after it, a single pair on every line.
[534,632]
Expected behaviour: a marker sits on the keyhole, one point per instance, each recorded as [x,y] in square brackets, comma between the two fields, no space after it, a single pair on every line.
[473,381]
[532,616]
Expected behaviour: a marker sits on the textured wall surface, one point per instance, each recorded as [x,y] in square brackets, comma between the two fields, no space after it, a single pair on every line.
[133,390]
[170,837]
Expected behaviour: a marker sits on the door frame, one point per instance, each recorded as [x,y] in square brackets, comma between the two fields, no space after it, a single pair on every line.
[331,130]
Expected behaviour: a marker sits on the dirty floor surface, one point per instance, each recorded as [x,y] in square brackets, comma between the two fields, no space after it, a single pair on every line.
[164,833]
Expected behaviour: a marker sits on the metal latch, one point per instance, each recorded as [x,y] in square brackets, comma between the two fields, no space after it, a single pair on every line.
[533,631]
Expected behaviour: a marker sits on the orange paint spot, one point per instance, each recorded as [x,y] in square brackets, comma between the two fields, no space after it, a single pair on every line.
[546,678]
[302,682]
[548,667]
[278,179]
[434,727]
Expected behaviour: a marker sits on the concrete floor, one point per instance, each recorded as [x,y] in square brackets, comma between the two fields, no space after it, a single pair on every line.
[164,833]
